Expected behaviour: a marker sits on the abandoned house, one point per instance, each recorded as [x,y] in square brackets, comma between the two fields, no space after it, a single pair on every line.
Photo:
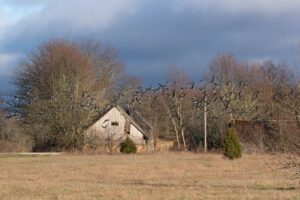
[114,126]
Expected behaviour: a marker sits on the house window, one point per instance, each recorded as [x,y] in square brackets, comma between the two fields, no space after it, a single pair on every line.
[127,127]
[115,123]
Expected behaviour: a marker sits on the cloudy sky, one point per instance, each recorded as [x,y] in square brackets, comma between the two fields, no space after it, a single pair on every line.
[151,35]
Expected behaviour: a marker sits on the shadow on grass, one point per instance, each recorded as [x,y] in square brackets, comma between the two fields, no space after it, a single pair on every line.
[16,156]
[272,188]
[256,187]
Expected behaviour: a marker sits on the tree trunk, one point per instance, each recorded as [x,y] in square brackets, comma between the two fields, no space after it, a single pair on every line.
[176,132]
[183,139]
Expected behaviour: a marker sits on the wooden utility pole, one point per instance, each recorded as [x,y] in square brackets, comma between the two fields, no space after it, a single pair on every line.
[205,125]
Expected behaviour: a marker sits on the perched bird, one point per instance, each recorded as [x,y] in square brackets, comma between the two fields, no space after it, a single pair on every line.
[214,118]
[267,109]
[191,85]
[149,88]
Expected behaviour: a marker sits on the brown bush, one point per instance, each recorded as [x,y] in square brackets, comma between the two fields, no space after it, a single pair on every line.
[13,138]
[6,146]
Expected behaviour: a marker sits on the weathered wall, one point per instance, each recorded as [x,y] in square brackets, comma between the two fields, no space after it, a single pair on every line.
[164,145]
[98,134]
[136,135]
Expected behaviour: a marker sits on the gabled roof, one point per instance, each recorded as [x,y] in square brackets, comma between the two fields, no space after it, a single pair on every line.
[132,121]
[126,115]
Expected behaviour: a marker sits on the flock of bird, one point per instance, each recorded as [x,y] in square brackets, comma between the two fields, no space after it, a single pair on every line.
[226,92]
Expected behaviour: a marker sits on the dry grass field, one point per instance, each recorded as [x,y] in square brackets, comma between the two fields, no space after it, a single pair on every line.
[154,176]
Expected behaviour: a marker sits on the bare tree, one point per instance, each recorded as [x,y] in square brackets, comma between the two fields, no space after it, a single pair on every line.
[174,103]
[61,87]
[232,82]
[2,124]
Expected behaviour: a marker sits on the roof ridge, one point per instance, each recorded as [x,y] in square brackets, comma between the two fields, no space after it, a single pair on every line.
[131,119]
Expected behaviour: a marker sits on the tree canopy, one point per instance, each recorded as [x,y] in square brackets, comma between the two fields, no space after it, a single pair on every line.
[62,84]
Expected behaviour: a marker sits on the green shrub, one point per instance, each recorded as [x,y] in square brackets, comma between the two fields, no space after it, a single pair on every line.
[231,146]
[128,146]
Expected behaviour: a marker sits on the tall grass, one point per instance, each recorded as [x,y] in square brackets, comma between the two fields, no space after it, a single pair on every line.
[151,176]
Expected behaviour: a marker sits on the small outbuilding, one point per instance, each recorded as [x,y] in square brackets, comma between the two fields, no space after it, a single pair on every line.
[113,127]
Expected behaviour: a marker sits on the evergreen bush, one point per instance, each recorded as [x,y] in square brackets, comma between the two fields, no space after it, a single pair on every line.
[128,146]
[231,146]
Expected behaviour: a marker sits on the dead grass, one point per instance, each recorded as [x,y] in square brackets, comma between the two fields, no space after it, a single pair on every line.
[156,176]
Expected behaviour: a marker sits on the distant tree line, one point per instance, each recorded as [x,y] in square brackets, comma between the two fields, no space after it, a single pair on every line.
[63,86]
[264,93]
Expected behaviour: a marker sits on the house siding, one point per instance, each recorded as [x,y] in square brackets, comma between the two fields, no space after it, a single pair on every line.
[98,134]
[136,135]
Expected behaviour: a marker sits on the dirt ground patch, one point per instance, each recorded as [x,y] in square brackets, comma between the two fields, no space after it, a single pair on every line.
[154,176]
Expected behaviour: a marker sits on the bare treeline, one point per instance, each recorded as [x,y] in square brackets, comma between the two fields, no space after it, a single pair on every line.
[63,86]
[262,94]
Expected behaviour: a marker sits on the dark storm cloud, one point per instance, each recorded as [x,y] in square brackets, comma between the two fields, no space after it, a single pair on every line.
[159,37]
[152,35]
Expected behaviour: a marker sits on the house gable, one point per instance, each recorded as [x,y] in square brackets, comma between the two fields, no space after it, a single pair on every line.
[111,127]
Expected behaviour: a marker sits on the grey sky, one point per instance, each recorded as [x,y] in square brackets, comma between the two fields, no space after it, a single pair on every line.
[151,34]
